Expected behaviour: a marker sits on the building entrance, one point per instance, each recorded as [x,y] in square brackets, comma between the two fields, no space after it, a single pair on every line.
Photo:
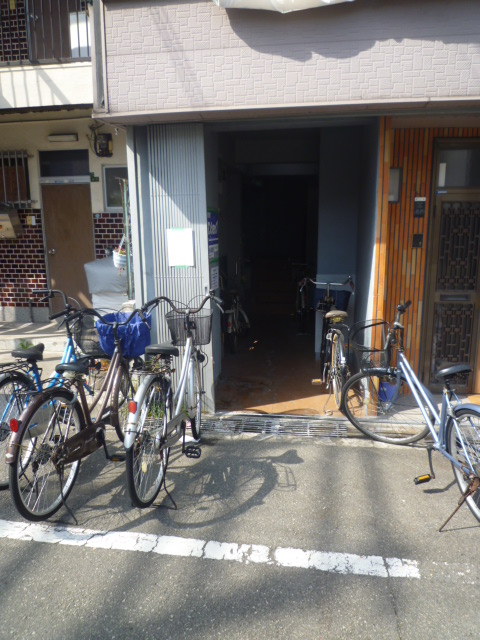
[289,208]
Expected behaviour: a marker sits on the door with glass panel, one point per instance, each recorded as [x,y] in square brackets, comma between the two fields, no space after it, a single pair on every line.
[452,314]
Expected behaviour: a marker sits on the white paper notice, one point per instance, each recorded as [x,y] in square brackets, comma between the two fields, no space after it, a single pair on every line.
[180,247]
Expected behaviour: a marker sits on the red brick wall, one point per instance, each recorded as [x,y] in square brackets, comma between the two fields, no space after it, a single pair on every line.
[22,260]
[13,32]
[108,229]
[22,263]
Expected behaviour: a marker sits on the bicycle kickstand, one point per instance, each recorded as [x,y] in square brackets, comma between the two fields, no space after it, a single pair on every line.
[473,486]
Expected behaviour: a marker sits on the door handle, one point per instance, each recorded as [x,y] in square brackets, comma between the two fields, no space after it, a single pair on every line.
[51,252]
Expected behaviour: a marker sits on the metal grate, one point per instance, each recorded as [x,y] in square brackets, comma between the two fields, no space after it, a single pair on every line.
[44,31]
[306,426]
[14,184]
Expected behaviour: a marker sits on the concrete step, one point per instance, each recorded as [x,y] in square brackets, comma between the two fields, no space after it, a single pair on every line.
[14,335]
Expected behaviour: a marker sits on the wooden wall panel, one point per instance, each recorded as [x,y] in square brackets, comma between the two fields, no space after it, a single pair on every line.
[400,267]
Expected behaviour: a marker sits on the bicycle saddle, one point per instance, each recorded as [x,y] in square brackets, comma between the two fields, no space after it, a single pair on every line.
[336,313]
[32,353]
[164,349]
[72,367]
[451,370]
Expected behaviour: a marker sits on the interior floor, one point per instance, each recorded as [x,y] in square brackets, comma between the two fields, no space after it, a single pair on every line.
[272,371]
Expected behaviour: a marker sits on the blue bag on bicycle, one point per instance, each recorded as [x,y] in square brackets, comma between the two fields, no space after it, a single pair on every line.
[134,336]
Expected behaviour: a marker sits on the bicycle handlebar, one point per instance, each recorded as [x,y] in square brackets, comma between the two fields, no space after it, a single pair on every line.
[349,281]
[186,310]
[94,312]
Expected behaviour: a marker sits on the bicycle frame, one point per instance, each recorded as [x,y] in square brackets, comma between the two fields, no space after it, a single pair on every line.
[423,397]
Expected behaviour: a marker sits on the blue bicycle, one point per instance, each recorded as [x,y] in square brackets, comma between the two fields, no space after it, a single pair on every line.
[20,378]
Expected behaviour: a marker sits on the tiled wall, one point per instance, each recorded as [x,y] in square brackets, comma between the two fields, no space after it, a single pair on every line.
[13,32]
[22,262]
[165,57]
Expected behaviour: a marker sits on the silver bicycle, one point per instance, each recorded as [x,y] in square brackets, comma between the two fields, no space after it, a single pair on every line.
[389,404]
[158,415]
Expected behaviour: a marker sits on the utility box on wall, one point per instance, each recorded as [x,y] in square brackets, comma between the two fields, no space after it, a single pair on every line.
[10,225]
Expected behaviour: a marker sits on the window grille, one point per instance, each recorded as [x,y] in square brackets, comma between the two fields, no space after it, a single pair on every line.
[14,184]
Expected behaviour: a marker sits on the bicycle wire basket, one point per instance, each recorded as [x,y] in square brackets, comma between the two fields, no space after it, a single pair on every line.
[86,336]
[201,325]
[367,339]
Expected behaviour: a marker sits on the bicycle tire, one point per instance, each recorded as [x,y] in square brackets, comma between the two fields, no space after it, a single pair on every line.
[337,371]
[145,464]
[371,403]
[194,399]
[53,417]
[13,400]
[243,323]
[468,421]
[122,392]
[232,341]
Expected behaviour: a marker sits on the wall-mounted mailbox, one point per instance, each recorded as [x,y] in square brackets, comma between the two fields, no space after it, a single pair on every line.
[10,225]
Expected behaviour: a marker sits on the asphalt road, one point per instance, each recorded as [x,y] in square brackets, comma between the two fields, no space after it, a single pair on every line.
[272,538]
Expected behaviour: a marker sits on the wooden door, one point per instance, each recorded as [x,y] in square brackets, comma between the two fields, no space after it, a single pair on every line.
[453,302]
[67,213]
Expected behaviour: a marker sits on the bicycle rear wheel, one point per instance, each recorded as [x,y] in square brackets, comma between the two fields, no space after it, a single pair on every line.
[337,371]
[383,407]
[38,488]
[145,463]
[13,399]
[464,446]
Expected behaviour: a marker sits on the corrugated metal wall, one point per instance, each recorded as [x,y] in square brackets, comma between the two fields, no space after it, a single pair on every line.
[178,201]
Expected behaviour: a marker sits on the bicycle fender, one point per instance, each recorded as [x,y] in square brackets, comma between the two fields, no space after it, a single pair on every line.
[15,438]
[131,428]
[471,407]
[17,375]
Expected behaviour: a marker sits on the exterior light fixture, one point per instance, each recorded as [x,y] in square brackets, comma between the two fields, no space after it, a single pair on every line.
[63,137]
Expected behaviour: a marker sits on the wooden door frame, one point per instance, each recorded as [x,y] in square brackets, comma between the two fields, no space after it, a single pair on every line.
[449,194]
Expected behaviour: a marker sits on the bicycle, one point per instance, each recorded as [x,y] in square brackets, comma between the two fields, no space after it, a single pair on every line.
[158,416]
[326,304]
[389,404]
[332,346]
[336,370]
[18,379]
[57,429]
[236,322]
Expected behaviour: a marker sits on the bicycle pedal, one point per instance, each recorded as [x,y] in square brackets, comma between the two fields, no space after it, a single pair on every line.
[317,381]
[422,479]
[193,451]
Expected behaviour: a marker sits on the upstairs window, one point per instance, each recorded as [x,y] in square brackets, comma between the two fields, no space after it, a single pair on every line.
[14,183]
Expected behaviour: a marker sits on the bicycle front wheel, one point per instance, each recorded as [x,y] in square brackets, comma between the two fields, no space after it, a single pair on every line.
[14,389]
[195,394]
[123,391]
[382,407]
[145,462]
[337,371]
[463,444]
[38,486]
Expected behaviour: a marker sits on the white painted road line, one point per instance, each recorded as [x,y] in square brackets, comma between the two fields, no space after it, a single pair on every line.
[345,563]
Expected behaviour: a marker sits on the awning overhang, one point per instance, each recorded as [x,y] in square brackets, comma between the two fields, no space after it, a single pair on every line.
[283,6]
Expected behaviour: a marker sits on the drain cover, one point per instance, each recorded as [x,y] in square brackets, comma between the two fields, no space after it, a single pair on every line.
[275,425]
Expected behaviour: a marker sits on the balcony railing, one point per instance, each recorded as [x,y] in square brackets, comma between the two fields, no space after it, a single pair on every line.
[44,31]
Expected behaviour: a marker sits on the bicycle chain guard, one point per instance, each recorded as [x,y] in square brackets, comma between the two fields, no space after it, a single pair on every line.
[79,446]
